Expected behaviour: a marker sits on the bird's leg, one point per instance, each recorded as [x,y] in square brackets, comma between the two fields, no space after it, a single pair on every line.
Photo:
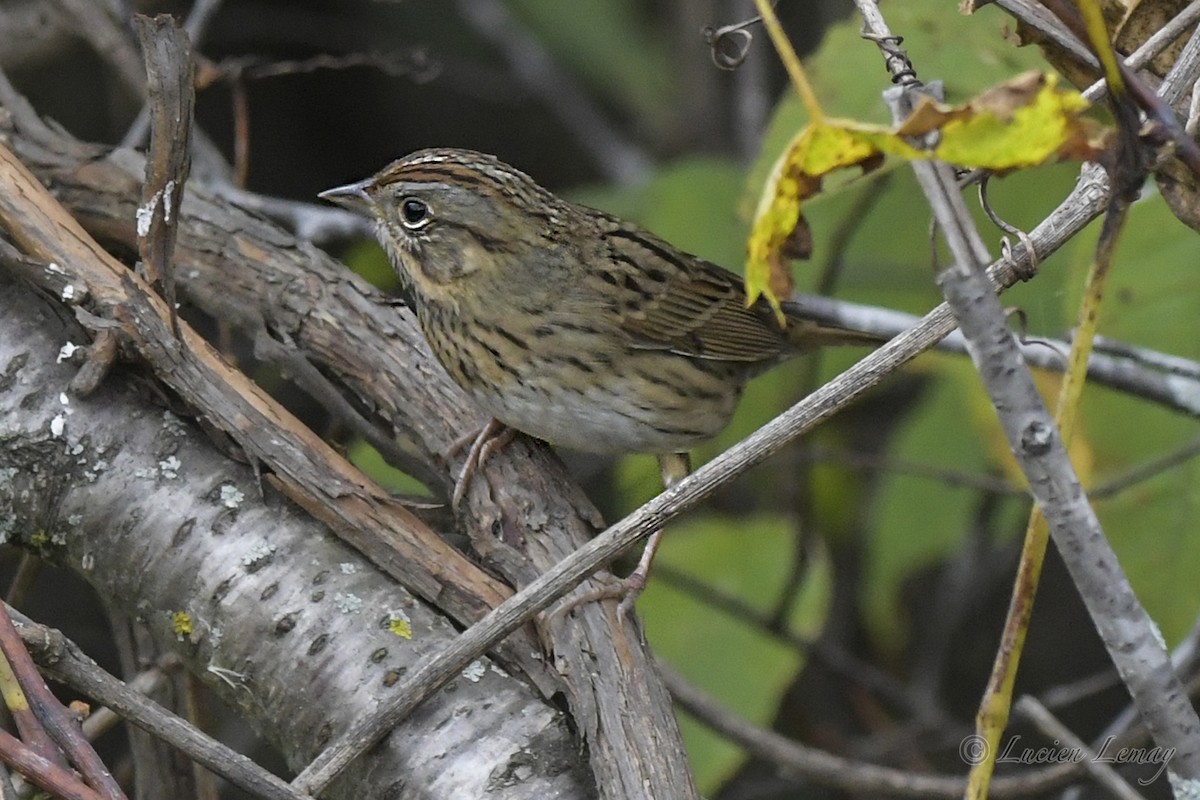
[490,438]
[674,468]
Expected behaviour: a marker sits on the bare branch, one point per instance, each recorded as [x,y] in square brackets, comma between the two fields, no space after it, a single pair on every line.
[1127,631]
[295,630]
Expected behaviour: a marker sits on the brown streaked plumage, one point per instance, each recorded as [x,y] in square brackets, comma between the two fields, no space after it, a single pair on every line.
[564,322]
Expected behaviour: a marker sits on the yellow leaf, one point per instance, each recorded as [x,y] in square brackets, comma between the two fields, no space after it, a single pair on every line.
[780,232]
[399,625]
[1020,123]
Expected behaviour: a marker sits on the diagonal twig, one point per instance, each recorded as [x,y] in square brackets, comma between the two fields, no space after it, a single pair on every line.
[61,659]
[58,722]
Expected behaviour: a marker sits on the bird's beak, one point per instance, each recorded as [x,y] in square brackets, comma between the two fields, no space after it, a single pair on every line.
[353,196]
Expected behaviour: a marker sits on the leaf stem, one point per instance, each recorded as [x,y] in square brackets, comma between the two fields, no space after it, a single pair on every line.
[791,61]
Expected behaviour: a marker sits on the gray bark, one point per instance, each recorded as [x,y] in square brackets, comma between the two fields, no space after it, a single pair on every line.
[288,625]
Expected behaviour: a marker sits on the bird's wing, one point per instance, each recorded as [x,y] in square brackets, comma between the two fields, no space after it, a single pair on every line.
[678,302]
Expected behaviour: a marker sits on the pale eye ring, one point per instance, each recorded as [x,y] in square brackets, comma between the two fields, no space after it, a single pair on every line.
[414,213]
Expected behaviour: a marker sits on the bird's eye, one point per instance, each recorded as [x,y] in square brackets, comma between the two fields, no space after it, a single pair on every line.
[414,212]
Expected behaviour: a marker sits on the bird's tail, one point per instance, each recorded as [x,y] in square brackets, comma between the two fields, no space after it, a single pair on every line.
[807,330]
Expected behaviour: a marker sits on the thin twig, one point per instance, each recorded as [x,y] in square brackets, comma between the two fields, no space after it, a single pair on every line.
[61,659]
[873,462]
[170,87]
[322,225]
[60,724]
[110,39]
[1146,471]
[1040,19]
[405,63]
[42,772]
[1065,739]
[195,26]
[1162,362]
[1168,380]
[856,777]
[1150,48]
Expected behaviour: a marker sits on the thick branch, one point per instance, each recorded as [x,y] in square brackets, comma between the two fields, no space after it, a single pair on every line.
[261,282]
[295,630]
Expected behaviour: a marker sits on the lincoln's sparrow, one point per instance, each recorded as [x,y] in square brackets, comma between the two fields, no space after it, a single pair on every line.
[565,322]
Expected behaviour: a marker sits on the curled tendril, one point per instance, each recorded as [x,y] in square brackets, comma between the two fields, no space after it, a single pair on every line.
[730,44]
[895,59]
[1026,340]
[1023,271]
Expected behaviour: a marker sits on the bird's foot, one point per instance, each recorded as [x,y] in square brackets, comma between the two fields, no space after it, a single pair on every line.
[626,589]
[488,440]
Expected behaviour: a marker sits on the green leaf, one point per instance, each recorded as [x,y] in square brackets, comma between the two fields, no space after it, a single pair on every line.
[368,459]
[1021,123]
[1151,302]
[745,669]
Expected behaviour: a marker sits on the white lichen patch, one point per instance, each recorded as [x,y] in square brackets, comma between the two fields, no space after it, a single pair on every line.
[93,473]
[348,603]
[173,424]
[145,215]
[68,293]
[66,351]
[58,425]
[231,496]
[1184,788]
[474,671]
[169,467]
[258,553]
[348,567]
